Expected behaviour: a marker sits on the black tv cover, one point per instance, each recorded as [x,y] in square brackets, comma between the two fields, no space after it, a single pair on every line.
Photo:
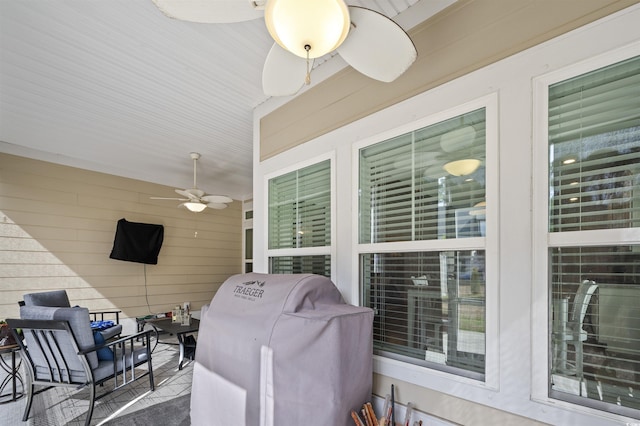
[137,242]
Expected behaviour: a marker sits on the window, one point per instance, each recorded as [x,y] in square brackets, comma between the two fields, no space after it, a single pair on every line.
[422,226]
[248,250]
[247,226]
[320,265]
[594,249]
[300,221]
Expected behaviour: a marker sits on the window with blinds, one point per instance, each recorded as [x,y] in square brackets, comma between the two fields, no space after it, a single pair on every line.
[406,194]
[594,176]
[426,185]
[319,264]
[300,217]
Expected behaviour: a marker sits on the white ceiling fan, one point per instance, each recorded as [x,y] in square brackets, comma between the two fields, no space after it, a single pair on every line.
[195,199]
[368,41]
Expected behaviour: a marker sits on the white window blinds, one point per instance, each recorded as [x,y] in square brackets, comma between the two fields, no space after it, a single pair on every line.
[594,149]
[427,185]
[300,208]
[319,264]
[594,176]
[407,195]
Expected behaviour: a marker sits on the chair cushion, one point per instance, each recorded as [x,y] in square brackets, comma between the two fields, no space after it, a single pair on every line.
[111,332]
[105,368]
[104,354]
[78,319]
[56,298]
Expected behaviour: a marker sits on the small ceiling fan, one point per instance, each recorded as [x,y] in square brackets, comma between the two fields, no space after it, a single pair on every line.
[195,199]
[370,42]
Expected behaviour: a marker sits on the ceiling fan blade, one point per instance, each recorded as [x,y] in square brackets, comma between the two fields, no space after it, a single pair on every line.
[283,73]
[217,206]
[219,199]
[191,194]
[376,46]
[165,198]
[212,11]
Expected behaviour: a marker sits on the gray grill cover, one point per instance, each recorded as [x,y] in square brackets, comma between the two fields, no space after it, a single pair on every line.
[322,347]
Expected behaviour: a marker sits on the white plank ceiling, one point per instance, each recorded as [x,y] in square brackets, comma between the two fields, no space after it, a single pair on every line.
[117,87]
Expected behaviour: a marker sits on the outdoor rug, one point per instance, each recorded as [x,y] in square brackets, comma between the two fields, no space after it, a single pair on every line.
[173,412]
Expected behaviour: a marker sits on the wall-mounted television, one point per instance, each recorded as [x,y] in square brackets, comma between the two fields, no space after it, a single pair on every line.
[137,242]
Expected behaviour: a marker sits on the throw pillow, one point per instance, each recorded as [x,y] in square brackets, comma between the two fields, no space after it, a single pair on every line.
[104,354]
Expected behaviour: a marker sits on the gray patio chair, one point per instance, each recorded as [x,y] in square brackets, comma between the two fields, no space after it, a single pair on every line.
[60,299]
[59,350]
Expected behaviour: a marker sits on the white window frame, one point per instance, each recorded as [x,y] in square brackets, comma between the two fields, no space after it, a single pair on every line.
[304,251]
[543,239]
[416,374]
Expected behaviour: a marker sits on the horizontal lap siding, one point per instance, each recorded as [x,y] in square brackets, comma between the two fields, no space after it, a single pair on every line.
[460,39]
[57,226]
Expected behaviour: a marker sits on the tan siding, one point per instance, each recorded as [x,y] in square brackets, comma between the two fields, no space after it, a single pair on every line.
[462,38]
[57,226]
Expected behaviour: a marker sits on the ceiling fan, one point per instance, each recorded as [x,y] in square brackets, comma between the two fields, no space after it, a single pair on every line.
[195,199]
[368,41]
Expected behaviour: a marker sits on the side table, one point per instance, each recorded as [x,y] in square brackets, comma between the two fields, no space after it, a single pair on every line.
[13,374]
[181,332]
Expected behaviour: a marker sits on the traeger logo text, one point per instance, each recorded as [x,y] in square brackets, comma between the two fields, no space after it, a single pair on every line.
[250,293]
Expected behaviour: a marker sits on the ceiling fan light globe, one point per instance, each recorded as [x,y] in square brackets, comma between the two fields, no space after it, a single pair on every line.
[196,207]
[321,24]
[462,167]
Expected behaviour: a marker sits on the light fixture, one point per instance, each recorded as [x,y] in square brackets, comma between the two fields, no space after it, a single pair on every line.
[462,167]
[196,207]
[310,28]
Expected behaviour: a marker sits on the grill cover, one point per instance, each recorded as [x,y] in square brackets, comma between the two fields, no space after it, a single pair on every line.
[321,349]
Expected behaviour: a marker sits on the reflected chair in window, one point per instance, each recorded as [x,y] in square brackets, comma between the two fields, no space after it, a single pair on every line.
[576,323]
[571,332]
[59,350]
[424,310]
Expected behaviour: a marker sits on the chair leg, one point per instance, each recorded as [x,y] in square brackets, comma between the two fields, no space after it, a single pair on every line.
[151,384]
[30,393]
[149,364]
[92,402]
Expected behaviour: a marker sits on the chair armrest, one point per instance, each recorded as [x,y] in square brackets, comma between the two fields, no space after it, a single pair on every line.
[94,315]
[145,334]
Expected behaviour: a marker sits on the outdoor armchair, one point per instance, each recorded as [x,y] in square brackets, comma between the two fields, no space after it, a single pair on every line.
[60,299]
[58,349]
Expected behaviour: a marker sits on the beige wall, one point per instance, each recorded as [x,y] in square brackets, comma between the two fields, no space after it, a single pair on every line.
[57,226]
[465,37]
[446,407]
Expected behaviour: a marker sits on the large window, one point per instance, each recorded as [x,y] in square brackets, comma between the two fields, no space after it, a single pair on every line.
[300,221]
[593,228]
[422,226]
